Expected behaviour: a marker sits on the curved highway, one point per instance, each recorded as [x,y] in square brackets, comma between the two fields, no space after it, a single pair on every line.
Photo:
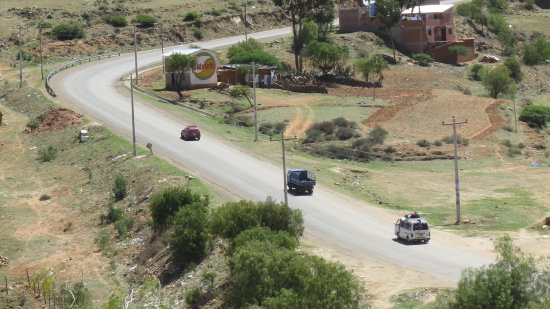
[352,226]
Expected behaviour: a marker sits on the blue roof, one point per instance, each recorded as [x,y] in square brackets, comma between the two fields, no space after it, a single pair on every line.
[297,170]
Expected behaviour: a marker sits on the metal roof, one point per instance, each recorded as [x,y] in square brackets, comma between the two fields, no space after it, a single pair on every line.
[428,9]
[184,51]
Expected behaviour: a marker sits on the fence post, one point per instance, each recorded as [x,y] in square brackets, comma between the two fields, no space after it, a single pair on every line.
[6,279]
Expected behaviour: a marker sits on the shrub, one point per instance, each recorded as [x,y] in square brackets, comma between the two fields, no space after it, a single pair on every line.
[165,205]
[438,143]
[529,4]
[234,6]
[68,226]
[216,12]
[496,23]
[536,52]
[475,71]
[459,50]
[390,149]
[113,215]
[115,20]
[312,136]
[192,297]
[327,127]
[192,16]
[424,143]
[47,154]
[423,59]
[190,237]
[378,135]
[497,81]
[535,115]
[345,133]
[45,24]
[450,139]
[514,66]
[123,226]
[65,32]
[343,122]
[145,21]
[119,189]
[103,240]
[24,56]
[33,124]
[197,33]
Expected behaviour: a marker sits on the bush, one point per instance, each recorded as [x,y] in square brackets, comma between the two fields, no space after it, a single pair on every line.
[496,23]
[103,240]
[216,12]
[123,226]
[343,122]
[45,24]
[529,5]
[65,32]
[475,71]
[115,20]
[197,33]
[497,81]
[378,135]
[114,214]
[233,218]
[192,297]
[514,66]
[166,204]
[344,133]
[47,154]
[536,52]
[119,189]
[535,115]
[192,16]
[459,50]
[33,124]
[423,59]
[190,237]
[424,143]
[312,136]
[438,143]
[145,21]
[24,56]
[234,6]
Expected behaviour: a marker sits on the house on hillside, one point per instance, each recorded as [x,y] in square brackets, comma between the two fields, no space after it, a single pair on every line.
[203,75]
[423,29]
[233,75]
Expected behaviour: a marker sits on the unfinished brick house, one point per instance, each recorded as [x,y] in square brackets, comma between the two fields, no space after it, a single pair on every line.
[422,29]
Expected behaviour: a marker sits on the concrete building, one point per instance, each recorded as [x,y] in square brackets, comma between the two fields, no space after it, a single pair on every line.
[422,29]
[203,75]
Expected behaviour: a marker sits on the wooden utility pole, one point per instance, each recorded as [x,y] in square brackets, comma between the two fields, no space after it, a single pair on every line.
[135,54]
[454,123]
[245,21]
[41,53]
[162,46]
[20,59]
[133,123]
[255,105]
[284,167]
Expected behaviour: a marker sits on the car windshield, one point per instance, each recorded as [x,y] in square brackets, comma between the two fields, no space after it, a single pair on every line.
[193,131]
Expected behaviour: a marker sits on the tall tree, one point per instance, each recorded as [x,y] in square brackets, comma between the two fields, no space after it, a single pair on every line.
[389,13]
[179,63]
[300,10]
[371,67]
[497,81]
[325,56]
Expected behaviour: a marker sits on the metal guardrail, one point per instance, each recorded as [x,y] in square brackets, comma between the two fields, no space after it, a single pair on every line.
[72,64]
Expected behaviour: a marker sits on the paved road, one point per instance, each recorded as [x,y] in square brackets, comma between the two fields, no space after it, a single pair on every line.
[351,225]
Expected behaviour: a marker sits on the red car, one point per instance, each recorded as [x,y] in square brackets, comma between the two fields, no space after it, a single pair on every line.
[191,132]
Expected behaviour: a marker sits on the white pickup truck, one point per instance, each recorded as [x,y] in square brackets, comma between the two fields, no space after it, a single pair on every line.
[412,228]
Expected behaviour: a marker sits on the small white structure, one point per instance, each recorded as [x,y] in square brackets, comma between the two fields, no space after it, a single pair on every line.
[83,136]
[203,75]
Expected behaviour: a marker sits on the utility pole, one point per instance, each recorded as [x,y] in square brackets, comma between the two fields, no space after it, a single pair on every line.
[135,57]
[162,46]
[284,167]
[515,116]
[133,123]
[245,21]
[20,59]
[41,54]
[255,105]
[454,123]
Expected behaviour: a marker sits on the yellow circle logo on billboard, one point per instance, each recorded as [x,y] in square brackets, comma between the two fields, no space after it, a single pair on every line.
[206,66]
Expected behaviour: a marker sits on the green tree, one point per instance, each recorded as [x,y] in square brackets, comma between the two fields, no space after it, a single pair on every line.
[164,205]
[249,51]
[178,64]
[389,13]
[535,115]
[513,281]
[497,5]
[323,18]
[241,91]
[514,66]
[536,52]
[496,23]
[299,11]
[507,42]
[190,237]
[459,50]
[372,66]
[325,56]
[310,32]
[497,80]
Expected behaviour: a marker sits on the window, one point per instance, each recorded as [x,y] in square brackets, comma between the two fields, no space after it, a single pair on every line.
[450,31]
[429,31]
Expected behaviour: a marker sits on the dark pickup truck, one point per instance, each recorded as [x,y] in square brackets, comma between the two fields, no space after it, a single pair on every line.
[300,181]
